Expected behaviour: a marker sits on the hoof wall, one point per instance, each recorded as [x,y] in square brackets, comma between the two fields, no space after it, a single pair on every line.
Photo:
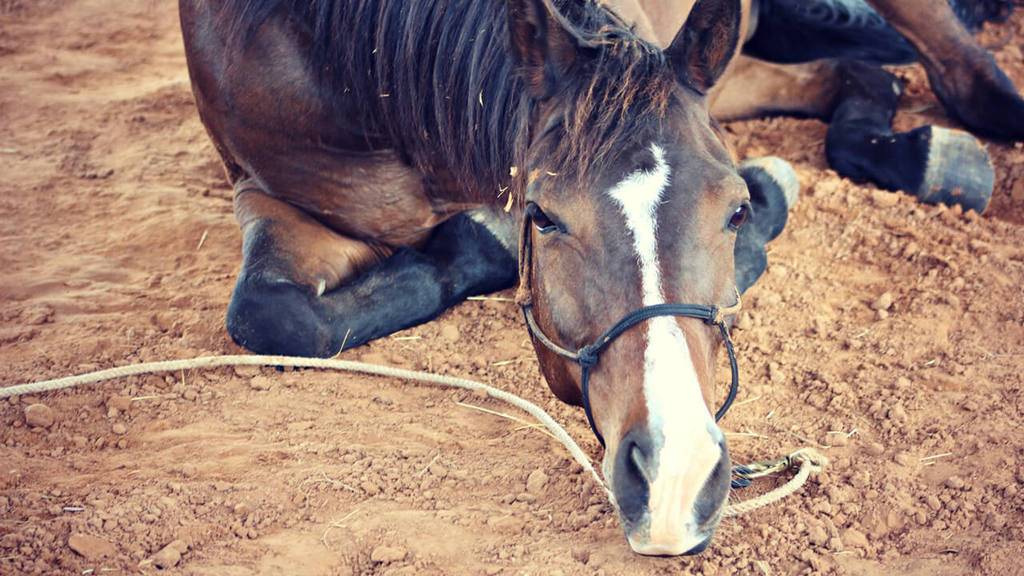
[958,171]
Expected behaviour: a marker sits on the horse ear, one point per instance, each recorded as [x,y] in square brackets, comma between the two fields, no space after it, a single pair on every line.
[544,50]
[706,44]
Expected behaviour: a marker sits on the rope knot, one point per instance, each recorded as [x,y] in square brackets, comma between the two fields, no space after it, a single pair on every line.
[814,460]
[587,357]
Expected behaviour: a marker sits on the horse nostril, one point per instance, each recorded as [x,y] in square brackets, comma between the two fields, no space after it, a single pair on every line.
[641,463]
[632,474]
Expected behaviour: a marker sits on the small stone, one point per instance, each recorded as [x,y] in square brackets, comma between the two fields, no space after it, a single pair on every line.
[190,395]
[387,554]
[91,547]
[884,199]
[883,302]
[119,403]
[261,383]
[874,448]
[744,321]
[536,481]
[246,371]
[450,332]
[933,502]
[855,539]
[39,415]
[170,555]
[119,428]
[818,535]
[835,545]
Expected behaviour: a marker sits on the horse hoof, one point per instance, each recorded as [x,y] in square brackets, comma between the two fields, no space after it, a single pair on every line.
[958,171]
[774,191]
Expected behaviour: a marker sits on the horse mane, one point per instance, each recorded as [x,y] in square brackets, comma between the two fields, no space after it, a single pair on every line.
[436,80]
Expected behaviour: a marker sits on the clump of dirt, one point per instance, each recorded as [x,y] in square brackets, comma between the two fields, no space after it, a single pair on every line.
[887,333]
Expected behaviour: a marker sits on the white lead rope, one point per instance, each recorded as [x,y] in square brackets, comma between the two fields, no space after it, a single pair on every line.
[810,461]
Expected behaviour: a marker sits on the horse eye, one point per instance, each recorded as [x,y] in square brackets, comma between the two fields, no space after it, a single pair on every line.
[739,217]
[540,220]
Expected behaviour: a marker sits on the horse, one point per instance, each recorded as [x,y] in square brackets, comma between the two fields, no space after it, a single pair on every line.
[374,146]
[390,159]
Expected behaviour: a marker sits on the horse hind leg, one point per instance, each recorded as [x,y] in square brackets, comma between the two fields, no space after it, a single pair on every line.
[937,165]
[305,290]
[962,74]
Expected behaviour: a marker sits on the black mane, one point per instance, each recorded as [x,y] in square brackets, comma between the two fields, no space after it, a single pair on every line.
[436,80]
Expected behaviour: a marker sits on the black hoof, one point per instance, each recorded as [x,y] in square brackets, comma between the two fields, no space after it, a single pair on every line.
[958,171]
[277,318]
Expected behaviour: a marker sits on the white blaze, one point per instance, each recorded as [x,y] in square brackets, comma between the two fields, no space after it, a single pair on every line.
[684,447]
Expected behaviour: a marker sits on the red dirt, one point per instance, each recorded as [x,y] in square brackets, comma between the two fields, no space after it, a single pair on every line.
[109,183]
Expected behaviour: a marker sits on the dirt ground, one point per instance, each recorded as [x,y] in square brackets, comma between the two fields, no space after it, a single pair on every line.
[887,333]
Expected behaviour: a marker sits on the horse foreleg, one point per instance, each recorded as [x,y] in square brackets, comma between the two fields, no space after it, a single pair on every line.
[774,190]
[963,75]
[306,290]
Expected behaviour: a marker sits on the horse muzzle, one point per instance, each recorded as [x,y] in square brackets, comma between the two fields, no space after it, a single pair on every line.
[670,508]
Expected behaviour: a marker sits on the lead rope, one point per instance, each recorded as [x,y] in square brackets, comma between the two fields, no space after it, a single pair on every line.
[808,460]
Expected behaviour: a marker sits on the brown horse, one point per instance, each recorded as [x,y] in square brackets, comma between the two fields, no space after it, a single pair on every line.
[389,158]
[374,146]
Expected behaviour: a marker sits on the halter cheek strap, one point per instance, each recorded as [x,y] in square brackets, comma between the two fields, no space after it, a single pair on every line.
[588,356]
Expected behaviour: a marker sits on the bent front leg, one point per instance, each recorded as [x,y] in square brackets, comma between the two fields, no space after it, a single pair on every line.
[304,290]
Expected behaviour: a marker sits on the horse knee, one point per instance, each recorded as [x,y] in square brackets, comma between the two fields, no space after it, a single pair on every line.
[279,318]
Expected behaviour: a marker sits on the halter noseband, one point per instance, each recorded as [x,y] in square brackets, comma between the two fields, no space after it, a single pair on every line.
[588,356]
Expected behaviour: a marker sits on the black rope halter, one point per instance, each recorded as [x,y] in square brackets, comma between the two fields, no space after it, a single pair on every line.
[588,356]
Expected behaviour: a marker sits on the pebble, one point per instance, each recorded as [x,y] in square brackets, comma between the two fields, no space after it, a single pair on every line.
[744,321]
[874,448]
[854,538]
[119,403]
[536,482]
[246,371]
[170,555]
[119,428]
[39,415]
[884,199]
[883,302]
[387,554]
[818,535]
[450,332]
[91,547]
